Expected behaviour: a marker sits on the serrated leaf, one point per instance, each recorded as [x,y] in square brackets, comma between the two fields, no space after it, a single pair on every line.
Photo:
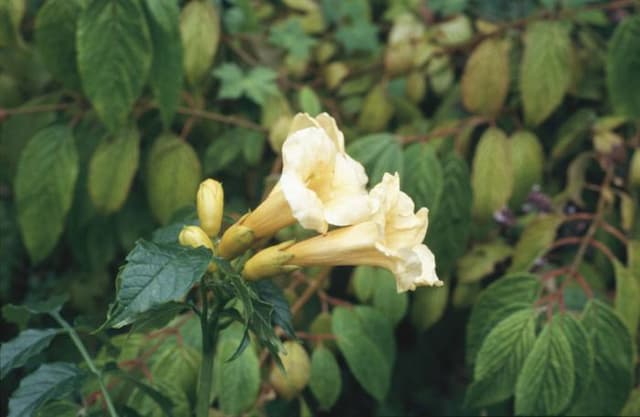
[112,168]
[449,227]
[492,176]
[290,36]
[200,33]
[485,80]
[499,300]
[379,153]
[582,352]
[59,409]
[55,37]
[428,306]
[325,381]
[236,382]
[155,274]
[114,57]
[359,36]
[534,241]
[378,287]
[147,390]
[627,303]
[481,260]
[257,84]
[623,66]
[364,358]
[424,176]
[546,383]
[612,378]
[45,181]
[545,70]
[49,381]
[501,358]
[165,75]
[178,365]
[269,292]
[16,352]
[173,175]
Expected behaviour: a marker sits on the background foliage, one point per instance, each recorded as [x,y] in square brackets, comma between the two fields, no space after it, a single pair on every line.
[516,122]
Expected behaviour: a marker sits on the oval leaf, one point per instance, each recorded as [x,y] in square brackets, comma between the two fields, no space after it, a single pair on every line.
[30,342]
[623,67]
[325,381]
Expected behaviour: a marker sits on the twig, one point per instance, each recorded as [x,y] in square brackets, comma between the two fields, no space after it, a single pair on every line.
[232,120]
[445,131]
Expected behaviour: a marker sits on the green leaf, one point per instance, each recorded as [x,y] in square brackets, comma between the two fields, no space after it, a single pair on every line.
[253,146]
[257,84]
[379,153]
[449,228]
[55,37]
[379,329]
[527,159]
[364,357]
[492,176]
[485,81]
[501,358]
[481,260]
[178,365]
[236,382]
[627,296]
[157,317]
[498,301]
[308,101]
[378,286]
[30,342]
[155,274]
[159,398]
[612,378]
[546,383]
[114,57]
[358,36]
[173,175]
[49,381]
[572,133]
[424,176]
[59,409]
[290,36]
[325,381]
[165,75]
[623,66]
[429,305]
[112,168]
[632,407]
[270,293]
[45,181]
[545,70]
[200,33]
[535,241]
[582,352]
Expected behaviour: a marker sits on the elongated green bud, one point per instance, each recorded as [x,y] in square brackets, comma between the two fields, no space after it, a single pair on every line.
[269,262]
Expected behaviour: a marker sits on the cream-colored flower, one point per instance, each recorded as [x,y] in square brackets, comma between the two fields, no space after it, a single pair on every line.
[391,238]
[320,185]
[195,237]
[210,205]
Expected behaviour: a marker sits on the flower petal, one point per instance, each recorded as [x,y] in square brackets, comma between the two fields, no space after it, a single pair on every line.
[418,268]
[330,126]
[305,204]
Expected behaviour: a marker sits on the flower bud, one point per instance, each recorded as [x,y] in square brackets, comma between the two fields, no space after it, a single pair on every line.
[269,262]
[297,371]
[236,240]
[210,204]
[195,237]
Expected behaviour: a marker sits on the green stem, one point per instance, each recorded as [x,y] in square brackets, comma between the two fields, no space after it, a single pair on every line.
[87,358]
[205,378]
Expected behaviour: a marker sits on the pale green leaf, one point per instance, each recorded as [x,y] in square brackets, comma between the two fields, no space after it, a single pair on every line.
[200,33]
[45,182]
[114,57]
[377,286]
[545,70]
[582,352]
[325,381]
[527,159]
[424,177]
[534,241]
[428,306]
[481,260]
[308,101]
[112,168]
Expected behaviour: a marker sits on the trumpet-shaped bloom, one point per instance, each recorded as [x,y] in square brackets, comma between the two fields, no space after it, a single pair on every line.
[391,238]
[320,184]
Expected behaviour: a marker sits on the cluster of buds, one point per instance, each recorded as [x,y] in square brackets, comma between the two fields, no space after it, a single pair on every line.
[323,189]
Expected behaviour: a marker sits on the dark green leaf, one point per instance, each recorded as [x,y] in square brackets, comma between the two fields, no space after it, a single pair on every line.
[623,66]
[546,383]
[45,181]
[325,381]
[501,358]
[257,84]
[379,153]
[153,275]
[157,316]
[56,39]
[112,168]
[424,179]
[114,57]
[627,303]
[365,358]
[449,228]
[30,342]
[358,36]
[165,75]
[290,36]
[272,294]
[378,287]
[535,241]
[612,378]
[49,381]
[498,301]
